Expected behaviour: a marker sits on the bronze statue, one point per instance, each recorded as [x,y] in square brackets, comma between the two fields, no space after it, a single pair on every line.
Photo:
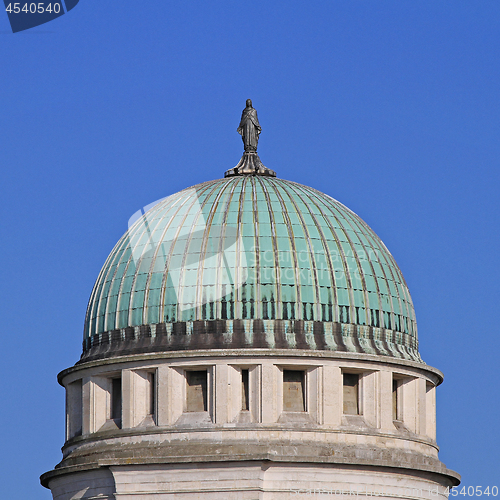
[249,128]
[250,163]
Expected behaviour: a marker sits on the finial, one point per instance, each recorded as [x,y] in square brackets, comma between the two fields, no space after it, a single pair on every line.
[250,130]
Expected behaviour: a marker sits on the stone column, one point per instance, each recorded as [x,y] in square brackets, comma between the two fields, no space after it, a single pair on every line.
[332,395]
[87,406]
[430,410]
[269,392]
[385,398]
[177,394]
[128,399]
[74,409]
[314,399]
[370,398]
[135,397]
[421,404]
[163,395]
[410,402]
[222,400]
[255,390]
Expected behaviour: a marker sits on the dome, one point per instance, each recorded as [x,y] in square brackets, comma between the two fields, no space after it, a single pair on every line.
[250,261]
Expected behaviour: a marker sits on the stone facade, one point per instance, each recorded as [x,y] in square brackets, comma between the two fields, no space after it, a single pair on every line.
[157,448]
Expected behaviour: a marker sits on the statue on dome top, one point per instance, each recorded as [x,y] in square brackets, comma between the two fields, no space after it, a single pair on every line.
[249,128]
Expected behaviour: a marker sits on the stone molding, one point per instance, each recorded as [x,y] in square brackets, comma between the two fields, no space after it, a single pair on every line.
[248,334]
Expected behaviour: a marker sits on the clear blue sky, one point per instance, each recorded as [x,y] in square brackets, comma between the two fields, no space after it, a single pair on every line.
[391,107]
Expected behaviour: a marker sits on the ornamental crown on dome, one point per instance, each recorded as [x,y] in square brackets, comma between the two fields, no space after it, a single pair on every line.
[250,129]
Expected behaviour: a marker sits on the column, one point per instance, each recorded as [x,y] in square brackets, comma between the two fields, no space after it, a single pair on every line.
[369,390]
[385,401]
[163,394]
[222,399]
[269,392]
[332,395]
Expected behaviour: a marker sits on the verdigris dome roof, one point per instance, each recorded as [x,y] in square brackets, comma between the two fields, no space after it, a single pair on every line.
[250,261]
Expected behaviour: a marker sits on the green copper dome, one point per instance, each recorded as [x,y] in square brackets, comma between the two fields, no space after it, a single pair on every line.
[250,261]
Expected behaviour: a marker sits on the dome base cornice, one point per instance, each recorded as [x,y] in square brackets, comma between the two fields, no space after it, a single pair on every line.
[248,334]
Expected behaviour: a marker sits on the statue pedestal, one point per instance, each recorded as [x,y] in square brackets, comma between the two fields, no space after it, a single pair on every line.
[250,164]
